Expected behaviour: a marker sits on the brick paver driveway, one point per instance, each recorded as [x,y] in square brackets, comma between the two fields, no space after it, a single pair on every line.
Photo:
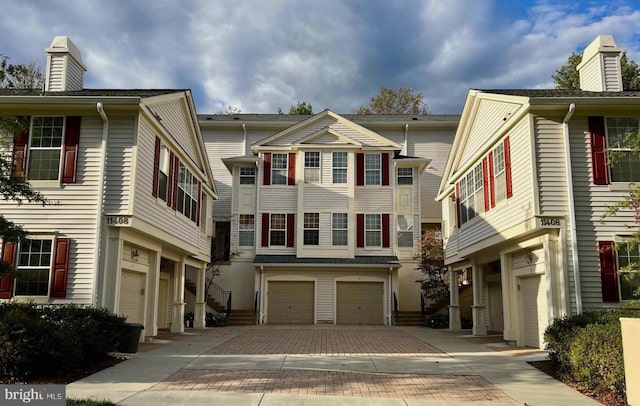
[292,354]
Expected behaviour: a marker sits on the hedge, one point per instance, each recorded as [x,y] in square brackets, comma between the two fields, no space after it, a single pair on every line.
[38,341]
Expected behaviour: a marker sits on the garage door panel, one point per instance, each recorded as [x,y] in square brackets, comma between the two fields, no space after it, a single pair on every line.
[290,302]
[132,296]
[534,310]
[360,303]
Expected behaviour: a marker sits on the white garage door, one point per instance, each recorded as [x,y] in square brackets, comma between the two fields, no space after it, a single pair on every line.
[290,302]
[132,296]
[534,306]
[360,303]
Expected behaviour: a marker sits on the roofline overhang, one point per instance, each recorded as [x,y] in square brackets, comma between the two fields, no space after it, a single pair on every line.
[321,265]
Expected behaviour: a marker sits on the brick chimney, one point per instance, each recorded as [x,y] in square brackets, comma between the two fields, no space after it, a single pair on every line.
[600,67]
[65,70]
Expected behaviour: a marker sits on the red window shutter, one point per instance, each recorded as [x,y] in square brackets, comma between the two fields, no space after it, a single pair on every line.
[60,268]
[291,170]
[386,241]
[170,180]
[385,169]
[267,168]
[608,271]
[199,203]
[156,168]
[265,230]
[176,165]
[360,169]
[360,230]
[458,217]
[507,167]
[492,181]
[485,182]
[9,251]
[291,225]
[71,142]
[20,140]
[598,151]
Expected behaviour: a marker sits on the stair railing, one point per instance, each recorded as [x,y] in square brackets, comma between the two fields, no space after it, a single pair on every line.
[422,305]
[212,290]
[228,309]
[255,307]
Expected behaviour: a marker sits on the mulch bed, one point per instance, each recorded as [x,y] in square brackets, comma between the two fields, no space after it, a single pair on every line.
[73,375]
[606,398]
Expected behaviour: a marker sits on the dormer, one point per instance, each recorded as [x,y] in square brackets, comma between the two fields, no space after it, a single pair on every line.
[65,70]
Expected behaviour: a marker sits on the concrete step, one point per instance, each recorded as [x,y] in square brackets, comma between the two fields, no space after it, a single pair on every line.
[241,318]
[410,318]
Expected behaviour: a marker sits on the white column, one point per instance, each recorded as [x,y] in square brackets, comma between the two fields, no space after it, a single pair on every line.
[200,308]
[153,285]
[177,315]
[454,302]
[508,298]
[478,308]
[111,280]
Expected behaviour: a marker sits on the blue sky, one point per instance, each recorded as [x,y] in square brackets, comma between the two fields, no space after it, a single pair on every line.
[263,54]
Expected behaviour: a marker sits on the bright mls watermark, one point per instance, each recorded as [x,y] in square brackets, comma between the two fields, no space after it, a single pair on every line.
[45,395]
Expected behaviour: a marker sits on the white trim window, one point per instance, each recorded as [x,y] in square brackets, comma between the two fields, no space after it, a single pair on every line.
[372,169]
[405,176]
[339,163]
[279,169]
[278,230]
[246,233]
[373,230]
[311,233]
[33,268]
[45,148]
[163,172]
[339,229]
[405,231]
[312,167]
[187,203]
[628,274]
[499,174]
[626,167]
[247,175]
[471,194]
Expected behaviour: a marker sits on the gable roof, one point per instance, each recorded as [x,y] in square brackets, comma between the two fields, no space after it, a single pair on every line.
[376,140]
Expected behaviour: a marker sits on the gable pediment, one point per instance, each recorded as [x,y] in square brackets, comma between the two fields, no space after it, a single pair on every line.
[326,129]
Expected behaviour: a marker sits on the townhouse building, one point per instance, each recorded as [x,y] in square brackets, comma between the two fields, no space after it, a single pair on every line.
[523,197]
[130,196]
[319,217]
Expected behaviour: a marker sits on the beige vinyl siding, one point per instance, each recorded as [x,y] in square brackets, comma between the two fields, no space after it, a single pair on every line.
[147,207]
[72,213]
[591,202]
[611,77]
[173,118]
[276,250]
[371,199]
[551,165]
[280,199]
[491,115]
[74,75]
[325,285]
[205,242]
[303,132]
[335,198]
[515,210]
[591,76]
[119,164]
[335,125]
[56,72]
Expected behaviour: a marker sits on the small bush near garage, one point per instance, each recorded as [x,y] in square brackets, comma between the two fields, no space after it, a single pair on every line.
[587,349]
[48,341]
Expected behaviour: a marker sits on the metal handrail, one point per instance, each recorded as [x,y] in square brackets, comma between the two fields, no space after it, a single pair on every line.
[212,290]
[395,307]
[228,309]
[422,310]
[255,307]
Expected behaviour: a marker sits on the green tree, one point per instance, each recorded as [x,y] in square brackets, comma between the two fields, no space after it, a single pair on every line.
[401,101]
[435,284]
[567,76]
[229,111]
[300,108]
[13,185]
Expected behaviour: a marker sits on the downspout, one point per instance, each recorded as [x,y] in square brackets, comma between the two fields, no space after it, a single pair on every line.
[406,140]
[261,318]
[244,139]
[100,208]
[391,309]
[572,209]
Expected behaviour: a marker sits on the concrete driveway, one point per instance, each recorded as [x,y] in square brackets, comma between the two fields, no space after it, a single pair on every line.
[266,365]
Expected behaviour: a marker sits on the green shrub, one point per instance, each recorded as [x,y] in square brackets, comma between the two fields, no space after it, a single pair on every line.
[52,340]
[560,335]
[596,357]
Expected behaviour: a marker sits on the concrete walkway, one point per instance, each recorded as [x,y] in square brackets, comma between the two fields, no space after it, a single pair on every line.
[266,365]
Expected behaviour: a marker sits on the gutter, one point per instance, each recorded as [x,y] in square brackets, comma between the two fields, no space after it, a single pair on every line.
[572,209]
[100,208]
[406,140]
